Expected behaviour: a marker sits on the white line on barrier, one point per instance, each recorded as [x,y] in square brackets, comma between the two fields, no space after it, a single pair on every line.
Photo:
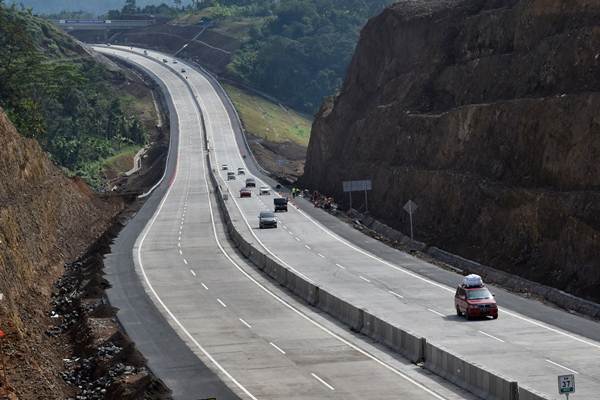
[245,323]
[192,271]
[562,366]
[491,336]
[221,303]
[204,286]
[364,279]
[395,294]
[322,381]
[435,312]
[277,347]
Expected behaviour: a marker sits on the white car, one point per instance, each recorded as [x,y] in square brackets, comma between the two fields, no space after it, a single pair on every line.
[264,191]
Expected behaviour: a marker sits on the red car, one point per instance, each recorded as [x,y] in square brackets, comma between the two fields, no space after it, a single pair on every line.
[245,192]
[474,302]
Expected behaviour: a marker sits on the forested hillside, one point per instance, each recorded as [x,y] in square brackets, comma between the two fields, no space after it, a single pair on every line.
[53,91]
[298,50]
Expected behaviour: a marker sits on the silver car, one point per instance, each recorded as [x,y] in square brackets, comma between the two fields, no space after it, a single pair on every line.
[267,219]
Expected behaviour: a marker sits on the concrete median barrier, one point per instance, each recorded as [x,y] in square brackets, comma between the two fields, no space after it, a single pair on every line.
[529,394]
[403,342]
[276,271]
[474,378]
[340,309]
[300,287]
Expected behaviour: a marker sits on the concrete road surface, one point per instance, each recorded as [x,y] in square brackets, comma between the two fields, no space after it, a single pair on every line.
[530,342]
[262,343]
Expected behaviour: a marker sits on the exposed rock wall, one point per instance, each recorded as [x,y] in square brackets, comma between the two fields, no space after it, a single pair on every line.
[487,115]
[46,219]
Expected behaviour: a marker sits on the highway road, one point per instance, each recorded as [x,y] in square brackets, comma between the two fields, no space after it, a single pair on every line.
[530,342]
[262,342]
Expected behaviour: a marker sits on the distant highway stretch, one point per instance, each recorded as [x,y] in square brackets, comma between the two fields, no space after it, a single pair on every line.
[530,342]
[100,24]
[263,343]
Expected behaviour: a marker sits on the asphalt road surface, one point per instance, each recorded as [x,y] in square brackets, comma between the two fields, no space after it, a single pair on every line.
[242,329]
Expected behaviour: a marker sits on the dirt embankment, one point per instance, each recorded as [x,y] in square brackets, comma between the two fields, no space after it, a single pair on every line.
[46,221]
[485,113]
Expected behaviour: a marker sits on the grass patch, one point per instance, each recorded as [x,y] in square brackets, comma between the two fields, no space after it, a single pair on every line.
[122,161]
[269,120]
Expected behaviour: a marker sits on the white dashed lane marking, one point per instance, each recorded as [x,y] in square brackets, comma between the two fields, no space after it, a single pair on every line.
[245,323]
[277,347]
[322,381]
[221,303]
[364,279]
[435,312]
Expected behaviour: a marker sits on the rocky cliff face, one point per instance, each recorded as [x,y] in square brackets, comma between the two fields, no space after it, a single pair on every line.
[46,219]
[486,113]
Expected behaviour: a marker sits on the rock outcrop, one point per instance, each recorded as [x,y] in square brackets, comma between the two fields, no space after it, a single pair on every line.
[486,114]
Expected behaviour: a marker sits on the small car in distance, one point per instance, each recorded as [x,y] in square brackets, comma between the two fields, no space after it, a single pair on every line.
[474,300]
[280,204]
[264,191]
[224,167]
[250,182]
[241,171]
[244,192]
[266,219]
[183,70]
[230,176]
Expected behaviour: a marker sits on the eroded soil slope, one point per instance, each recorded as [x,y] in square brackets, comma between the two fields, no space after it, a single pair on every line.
[486,114]
[46,219]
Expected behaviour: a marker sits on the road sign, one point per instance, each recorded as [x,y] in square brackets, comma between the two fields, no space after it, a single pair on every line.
[357,186]
[410,207]
[566,384]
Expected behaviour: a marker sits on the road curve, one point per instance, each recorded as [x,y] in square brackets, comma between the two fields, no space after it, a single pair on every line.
[530,347]
[261,342]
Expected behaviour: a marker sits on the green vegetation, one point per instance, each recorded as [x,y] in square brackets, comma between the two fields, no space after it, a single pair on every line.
[295,50]
[299,49]
[269,120]
[55,92]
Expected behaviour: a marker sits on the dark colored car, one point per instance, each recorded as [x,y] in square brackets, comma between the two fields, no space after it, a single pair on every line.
[280,204]
[245,192]
[267,219]
[475,302]
[250,182]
